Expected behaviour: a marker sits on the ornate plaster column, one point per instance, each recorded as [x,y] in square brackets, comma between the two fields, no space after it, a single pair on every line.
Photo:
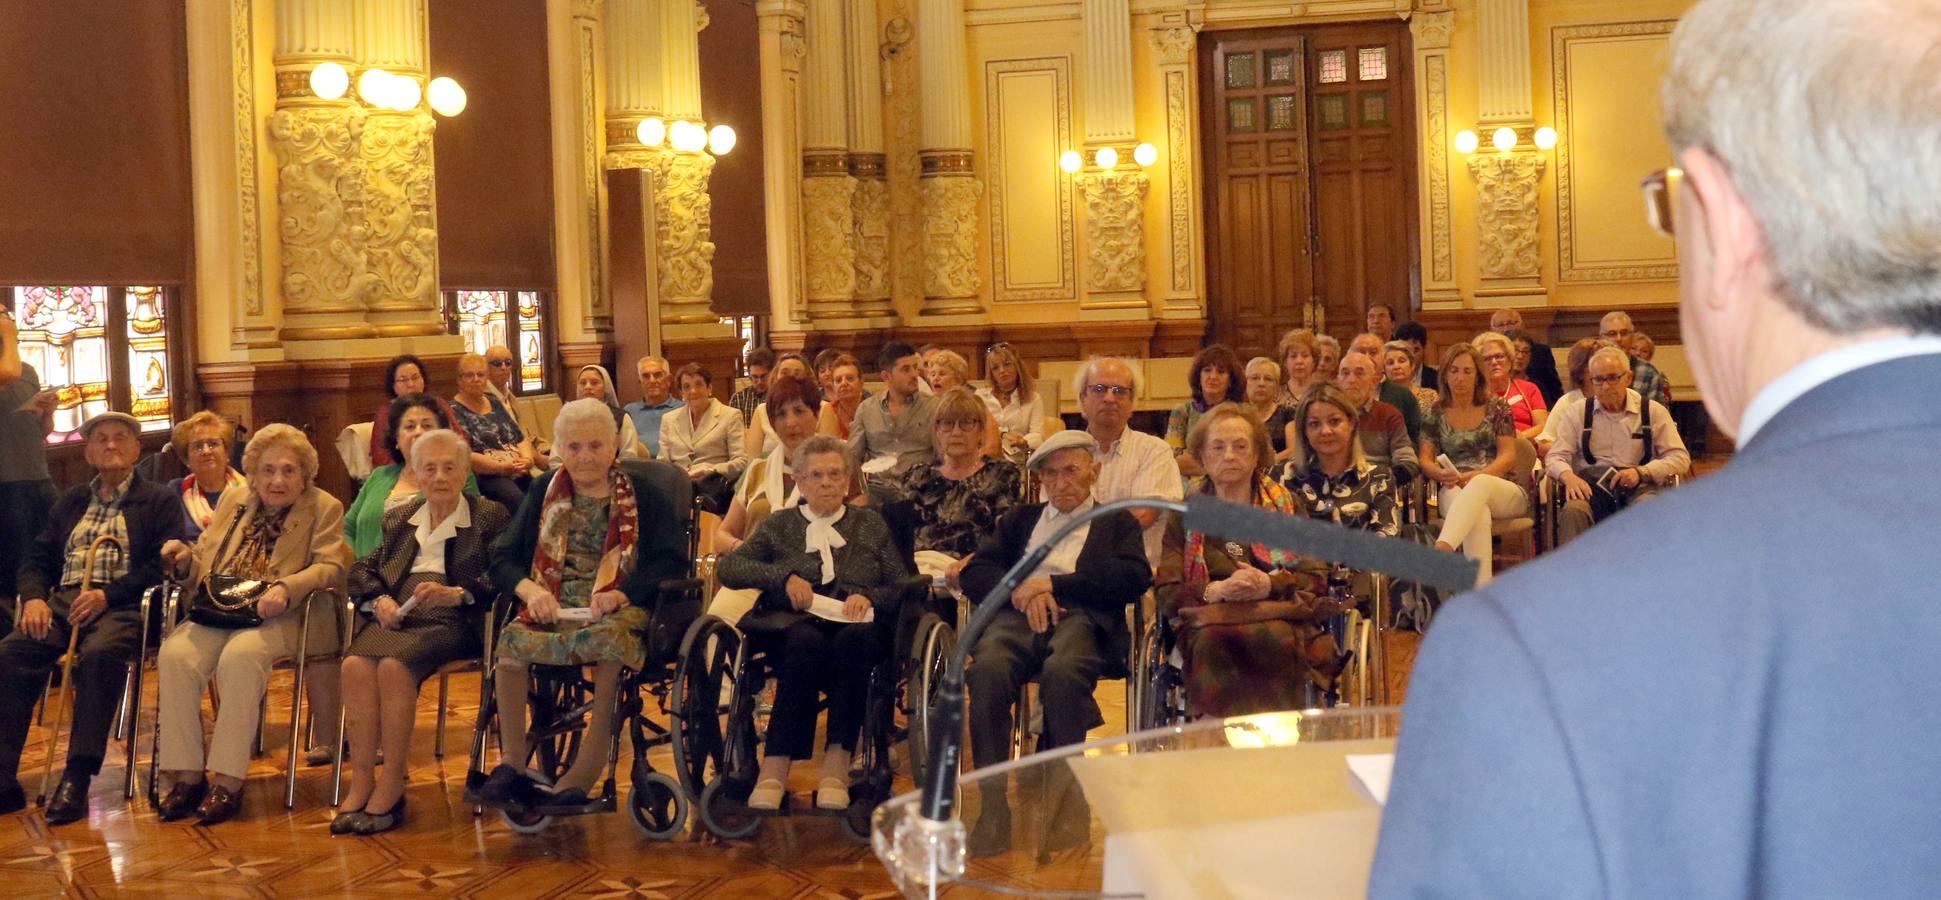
[683,211]
[1115,198]
[573,40]
[400,205]
[1432,28]
[949,186]
[320,173]
[1507,182]
[635,71]
[231,85]
[783,47]
[828,220]
[870,203]
[1173,44]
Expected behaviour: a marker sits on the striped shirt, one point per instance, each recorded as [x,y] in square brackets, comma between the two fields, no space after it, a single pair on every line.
[103,518]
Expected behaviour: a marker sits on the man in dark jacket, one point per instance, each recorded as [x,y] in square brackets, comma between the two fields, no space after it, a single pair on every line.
[140,514]
[1067,621]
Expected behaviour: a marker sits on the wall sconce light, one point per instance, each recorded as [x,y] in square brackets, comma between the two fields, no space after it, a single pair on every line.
[405,93]
[1504,139]
[652,131]
[1071,161]
[1107,158]
[1145,155]
[1545,138]
[687,137]
[721,139]
[445,96]
[374,87]
[1467,142]
[329,81]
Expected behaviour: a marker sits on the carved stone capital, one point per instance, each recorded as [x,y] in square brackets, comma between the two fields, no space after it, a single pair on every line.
[1173,44]
[320,191]
[1506,187]
[1432,29]
[701,19]
[1115,230]
[684,227]
[950,242]
[829,242]
[400,210]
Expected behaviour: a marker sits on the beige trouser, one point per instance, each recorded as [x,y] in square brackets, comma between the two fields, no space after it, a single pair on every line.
[733,603]
[1468,511]
[240,660]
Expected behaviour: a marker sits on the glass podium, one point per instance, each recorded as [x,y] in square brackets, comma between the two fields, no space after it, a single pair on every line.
[1271,805]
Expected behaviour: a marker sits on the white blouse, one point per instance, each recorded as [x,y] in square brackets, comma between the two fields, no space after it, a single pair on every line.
[1027,418]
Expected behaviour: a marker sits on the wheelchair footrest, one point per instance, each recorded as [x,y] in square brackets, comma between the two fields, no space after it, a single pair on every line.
[603,804]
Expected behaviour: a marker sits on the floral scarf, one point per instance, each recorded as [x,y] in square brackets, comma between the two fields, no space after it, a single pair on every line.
[1268,494]
[555,520]
[198,505]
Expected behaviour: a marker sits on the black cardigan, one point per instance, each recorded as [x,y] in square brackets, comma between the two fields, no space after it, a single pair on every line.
[466,554]
[1112,570]
[866,564]
[154,517]
[660,550]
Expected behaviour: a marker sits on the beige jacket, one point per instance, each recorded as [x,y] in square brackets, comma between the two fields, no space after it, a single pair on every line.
[310,556]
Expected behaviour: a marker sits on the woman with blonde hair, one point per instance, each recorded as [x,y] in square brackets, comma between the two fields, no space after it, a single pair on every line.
[1527,409]
[1019,410]
[204,441]
[502,452]
[1299,356]
[948,371]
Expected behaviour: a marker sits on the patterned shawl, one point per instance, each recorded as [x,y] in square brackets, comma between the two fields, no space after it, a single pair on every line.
[1268,494]
[555,519]
[198,505]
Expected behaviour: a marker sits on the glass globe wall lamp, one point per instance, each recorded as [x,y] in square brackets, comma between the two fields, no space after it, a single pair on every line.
[685,136]
[1107,158]
[381,89]
[1504,140]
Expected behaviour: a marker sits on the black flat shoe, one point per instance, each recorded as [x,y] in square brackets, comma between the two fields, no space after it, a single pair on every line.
[377,823]
[181,800]
[70,803]
[221,805]
[346,822]
[12,798]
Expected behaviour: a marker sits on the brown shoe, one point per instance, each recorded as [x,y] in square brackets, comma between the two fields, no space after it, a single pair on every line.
[220,806]
[180,801]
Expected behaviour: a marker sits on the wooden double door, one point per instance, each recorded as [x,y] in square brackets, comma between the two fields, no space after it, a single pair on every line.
[1308,141]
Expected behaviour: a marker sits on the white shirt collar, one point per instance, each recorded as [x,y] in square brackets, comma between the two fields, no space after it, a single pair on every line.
[1819,370]
[1051,513]
[428,533]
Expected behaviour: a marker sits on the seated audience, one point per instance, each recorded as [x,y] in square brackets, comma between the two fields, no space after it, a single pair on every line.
[283,530]
[760,437]
[422,596]
[924,355]
[1528,410]
[1132,464]
[1417,337]
[577,542]
[1625,453]
[1018,409]
[1473,432]
[1382,438]
[61,592]
[825,365]
[406,374]
[1381,321]
[1327,355]
[1214,378]
[897,424]
[845,386]
[1402,398]
[948,372]
[1334,478]
[1401,364]
[1263,400]
[656,401]
[391,486]
[1645,347]
[767,485]
[823,548]
[1542,370]
[1645,378]
[204,441]
[959,495]
[502,451]
[1247,619]
[705,439]
[1066,622]
[745,399]
[500,367]
[1299,357]
[1578,361]
[593,383]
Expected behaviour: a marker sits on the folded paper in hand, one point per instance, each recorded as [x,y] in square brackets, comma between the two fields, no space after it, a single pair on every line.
[575,614]
[1372,772]
[830,608]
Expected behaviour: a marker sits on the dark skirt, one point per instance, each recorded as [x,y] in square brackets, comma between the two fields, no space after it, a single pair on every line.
[427,639]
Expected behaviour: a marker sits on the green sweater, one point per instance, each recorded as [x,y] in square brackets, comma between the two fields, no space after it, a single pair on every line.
[364,521]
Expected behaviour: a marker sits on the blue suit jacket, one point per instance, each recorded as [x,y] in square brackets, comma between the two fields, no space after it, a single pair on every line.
[1728,691]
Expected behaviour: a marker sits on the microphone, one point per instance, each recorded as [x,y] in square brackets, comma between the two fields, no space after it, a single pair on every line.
[1329,542]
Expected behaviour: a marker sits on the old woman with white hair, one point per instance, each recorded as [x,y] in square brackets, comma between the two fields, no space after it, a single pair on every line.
[265,552]
[586,571]
[422,596]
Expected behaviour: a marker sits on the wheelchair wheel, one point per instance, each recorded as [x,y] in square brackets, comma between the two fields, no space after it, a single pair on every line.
[722,814]
[658,806]
[525,822]
[1157,703]
[857,827]
[928,651]
[707,661]
[555,728]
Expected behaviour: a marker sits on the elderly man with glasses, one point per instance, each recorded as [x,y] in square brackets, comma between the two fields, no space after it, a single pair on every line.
[1132,464]
[1627,450]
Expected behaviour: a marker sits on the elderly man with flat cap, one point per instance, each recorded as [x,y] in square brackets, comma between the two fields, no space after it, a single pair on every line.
[1066,623]
[142,515]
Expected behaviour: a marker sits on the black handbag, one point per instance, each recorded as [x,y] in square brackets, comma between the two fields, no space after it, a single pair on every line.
[227,601]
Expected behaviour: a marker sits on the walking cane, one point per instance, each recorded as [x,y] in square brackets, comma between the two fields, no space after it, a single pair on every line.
[65,697]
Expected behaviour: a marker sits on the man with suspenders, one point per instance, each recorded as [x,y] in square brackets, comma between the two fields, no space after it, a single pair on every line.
[1626,448]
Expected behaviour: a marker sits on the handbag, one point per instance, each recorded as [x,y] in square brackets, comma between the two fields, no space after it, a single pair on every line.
[227,601]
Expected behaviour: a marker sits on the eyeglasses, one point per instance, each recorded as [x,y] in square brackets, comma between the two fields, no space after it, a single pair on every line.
[1116,390]
[1609,379]
[964,424]
[1000,345]
[1495,357]
[499,363]
[1617,334]
[1659,189]
[205,444]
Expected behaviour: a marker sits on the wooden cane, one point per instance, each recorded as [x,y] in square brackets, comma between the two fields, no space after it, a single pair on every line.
[64,698]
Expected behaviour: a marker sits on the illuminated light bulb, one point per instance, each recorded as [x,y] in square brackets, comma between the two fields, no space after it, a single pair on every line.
[652,131]
[1546,138]
[687,137]
[1071,161]
[1467,142]
[374,86]
[405,93]
[1107,158]
[1145,155]
[445,96]
[721,139]
[1504,139]
[329,81]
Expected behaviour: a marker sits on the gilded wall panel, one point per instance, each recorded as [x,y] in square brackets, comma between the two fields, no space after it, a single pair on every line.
[1605,83]
[1028,125]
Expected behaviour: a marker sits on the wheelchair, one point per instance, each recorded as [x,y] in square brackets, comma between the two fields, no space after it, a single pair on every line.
[560,698]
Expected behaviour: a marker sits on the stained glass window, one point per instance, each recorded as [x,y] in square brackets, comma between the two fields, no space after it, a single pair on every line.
[1374,108]
[513,319]
[1334,66]
[1240,71]
[100,348]
[1334,110]
[1240,114]
[1280,67]
[481,319]
[1280,113]
[1374,64]
[532,344]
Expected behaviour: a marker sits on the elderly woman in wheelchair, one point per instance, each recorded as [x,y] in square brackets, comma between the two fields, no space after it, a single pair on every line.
[586,569]
[1248,620]
[830,582]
